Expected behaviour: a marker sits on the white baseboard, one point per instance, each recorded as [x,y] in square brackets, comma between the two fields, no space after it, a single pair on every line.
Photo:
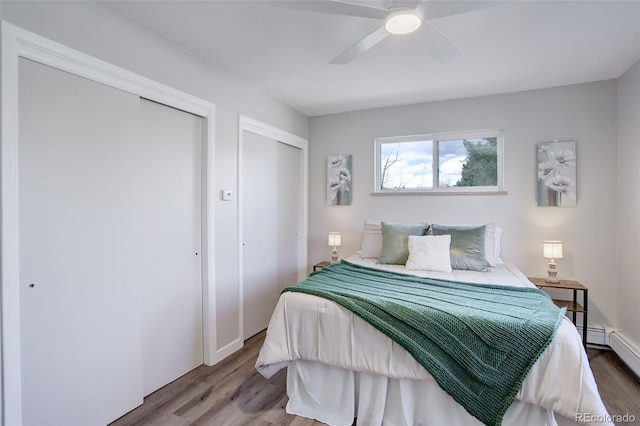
[227,350]
[595,335]
[628,352]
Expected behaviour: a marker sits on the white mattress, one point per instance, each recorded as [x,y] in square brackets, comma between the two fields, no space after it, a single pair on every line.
[323,340]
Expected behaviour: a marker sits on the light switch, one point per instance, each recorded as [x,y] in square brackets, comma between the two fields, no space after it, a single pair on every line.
[226,195]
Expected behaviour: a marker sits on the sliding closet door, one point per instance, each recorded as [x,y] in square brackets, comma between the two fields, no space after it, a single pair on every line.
[79,268]
[289,211]
[172,284]
[110,261]
[260,231]
[271,211]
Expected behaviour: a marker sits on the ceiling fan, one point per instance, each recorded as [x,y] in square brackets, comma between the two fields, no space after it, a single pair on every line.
[404,17]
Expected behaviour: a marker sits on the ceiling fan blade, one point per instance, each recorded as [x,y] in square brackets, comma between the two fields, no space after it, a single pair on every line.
[440,46]
[334,7]
[440,9]
[398,4]
[360,47]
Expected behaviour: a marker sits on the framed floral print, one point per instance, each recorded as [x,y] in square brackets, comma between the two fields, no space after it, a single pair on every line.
[339,180]
[557,174]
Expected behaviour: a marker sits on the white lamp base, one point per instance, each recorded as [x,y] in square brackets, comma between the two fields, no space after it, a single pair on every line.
[334,255]
[552,272]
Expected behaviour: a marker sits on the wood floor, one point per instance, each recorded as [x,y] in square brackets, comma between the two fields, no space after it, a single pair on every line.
[234,393]
[230,393]
[618,386]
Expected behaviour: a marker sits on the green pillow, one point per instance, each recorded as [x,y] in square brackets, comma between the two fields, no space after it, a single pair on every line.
[395,241]
[467,246]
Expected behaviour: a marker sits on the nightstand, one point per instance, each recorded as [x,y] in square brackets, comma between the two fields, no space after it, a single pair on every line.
[321,265]
[572,306]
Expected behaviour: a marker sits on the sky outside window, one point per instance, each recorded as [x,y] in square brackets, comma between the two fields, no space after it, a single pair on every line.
[406,165]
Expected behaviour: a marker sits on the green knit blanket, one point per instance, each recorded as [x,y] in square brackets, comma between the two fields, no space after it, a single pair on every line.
[477,341]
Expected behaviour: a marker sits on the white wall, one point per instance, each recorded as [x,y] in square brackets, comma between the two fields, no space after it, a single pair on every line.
[1,316]
[585,113]
[629,203]
[95,30]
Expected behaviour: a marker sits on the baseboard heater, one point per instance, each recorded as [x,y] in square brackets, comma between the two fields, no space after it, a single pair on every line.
[628,352]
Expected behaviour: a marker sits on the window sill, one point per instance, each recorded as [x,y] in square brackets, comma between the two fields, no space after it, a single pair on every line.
[394,193]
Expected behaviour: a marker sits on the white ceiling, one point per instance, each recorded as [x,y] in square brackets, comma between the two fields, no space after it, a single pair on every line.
[514,46]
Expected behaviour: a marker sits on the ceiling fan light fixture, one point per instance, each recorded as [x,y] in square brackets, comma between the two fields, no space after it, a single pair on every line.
[403,21]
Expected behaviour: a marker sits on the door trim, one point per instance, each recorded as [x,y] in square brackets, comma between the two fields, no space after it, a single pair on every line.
[18,43]
[254,126]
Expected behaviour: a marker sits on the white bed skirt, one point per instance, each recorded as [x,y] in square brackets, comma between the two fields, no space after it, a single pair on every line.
[336,396]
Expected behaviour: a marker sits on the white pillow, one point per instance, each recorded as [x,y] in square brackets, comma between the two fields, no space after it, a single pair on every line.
[498,244]
[429,253]
[371,244]
[490,244]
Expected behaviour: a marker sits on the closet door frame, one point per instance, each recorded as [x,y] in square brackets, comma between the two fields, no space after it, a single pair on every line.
[19,43]
[246,124]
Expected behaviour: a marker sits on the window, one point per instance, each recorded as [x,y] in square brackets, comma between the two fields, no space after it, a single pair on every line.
[442,163]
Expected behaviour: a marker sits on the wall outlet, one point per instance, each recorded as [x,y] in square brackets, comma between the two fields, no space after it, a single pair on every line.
[226,194]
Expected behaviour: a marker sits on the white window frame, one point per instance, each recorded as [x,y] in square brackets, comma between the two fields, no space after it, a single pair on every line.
[436,138]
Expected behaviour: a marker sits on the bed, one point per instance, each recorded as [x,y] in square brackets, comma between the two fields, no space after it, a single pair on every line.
[341,367]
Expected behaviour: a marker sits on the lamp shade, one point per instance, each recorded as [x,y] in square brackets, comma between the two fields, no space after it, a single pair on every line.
[552,249]
[334,239]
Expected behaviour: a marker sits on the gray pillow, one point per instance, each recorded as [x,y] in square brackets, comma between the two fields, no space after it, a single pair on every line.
[395,241]
[467,246]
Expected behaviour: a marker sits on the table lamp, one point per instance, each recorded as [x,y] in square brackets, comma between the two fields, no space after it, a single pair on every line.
[335,242]
[552,250]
